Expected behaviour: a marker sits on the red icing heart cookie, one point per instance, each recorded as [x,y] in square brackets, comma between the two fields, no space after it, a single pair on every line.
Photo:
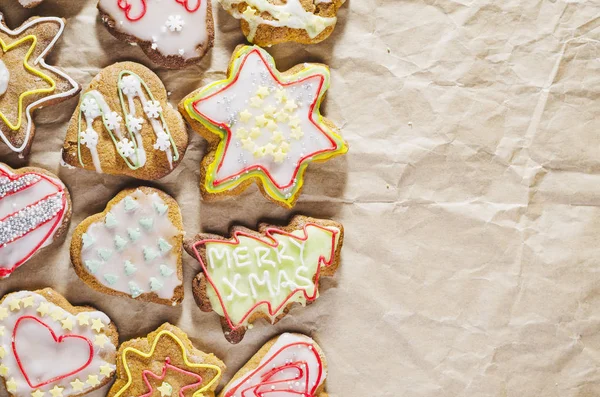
[35,209]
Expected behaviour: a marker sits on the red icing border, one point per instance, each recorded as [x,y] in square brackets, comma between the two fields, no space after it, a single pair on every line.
[273,244]
[59,339]
[126,7]
[229,133]
[146,373]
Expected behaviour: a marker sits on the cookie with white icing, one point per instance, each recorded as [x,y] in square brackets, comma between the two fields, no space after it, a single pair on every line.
[173,33]
[269,22]
[262,126]
[125,125]
[133,248]
[290,364]
[254,275]
[50,348]
[27,82]
[165,363]
[35,210]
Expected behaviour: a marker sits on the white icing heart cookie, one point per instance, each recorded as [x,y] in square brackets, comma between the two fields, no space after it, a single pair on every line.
[50,348]
[133,248]
[35,210]
[173,33]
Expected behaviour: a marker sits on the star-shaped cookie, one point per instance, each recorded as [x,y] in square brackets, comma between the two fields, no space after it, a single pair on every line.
[27,82]
[262,126]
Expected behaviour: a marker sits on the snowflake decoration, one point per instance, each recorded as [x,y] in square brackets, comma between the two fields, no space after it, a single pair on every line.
[175,23]
[134,123]
[125,147]
[113,120]
[162,141]
[88,138]
[90,108]
[153,109]
[130,85]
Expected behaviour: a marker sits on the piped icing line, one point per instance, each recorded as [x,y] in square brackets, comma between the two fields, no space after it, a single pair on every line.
[282,178]
[48,205]
[41,61]
[270,239]
[147,373]
[186,360]
[130,147]
[291,366]
[290,14]
[126,7]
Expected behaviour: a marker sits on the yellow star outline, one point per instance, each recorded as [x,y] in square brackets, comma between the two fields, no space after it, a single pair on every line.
[197,393]
[6,48]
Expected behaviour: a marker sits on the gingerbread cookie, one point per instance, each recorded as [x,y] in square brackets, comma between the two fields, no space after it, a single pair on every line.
[35,210]
[124,125]
[27,82]
[133,248]
[165,363]
[287,365]
[173,33]
[262,126]
[269,22]
[261,274]
[50,348]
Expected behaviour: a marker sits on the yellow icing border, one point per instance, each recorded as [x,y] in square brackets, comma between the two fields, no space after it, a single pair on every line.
[198,393]
[6,48]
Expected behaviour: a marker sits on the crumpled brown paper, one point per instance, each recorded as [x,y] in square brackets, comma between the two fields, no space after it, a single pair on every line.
[470,196]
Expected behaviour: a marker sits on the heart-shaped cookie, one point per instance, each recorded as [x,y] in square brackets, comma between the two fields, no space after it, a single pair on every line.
[125,125]
[35,209]
[49,347]
[133,248]
[289,365]
[262,274]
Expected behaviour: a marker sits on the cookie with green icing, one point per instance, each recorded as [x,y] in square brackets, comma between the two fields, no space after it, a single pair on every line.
[253,275]
[133,248]
[268,22]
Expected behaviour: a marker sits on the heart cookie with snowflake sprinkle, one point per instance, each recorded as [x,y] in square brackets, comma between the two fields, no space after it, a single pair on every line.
[124,125]
[262,274]
[35,210]
[133,248]
[289,365]
[165,363]
[262,126]
[50,348]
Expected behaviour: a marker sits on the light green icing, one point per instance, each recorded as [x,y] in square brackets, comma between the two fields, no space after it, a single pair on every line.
[253,271]
[146,223]
[150,254]
[163,245]
[104,253]
[135,289]
[155,284]
[111,278]
[92,265]
[161,208]
[130,204]
[134,234]
[130,268]
[165,270]
[110,221]
[87,240]
[120,242]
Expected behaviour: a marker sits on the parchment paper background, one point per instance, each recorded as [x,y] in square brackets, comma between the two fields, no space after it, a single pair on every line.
[470,196]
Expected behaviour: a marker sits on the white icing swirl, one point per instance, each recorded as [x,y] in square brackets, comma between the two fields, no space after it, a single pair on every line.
[4,77]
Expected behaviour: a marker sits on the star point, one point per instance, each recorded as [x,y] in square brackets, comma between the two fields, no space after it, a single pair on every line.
[97,324]
[11,385]
[3,313]
[165,389]
[43,309]
[83,319]
[57,391]
[38,393]
[77,385]
[28,301]
[106,370]
[14,304]
[92,380]
[100,340]
[3,370]
[57,315]
[67,323]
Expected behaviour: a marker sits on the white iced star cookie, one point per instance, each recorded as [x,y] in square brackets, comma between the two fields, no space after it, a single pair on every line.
[173,33]
[262,126]
[125,125]
[45,350]
[269,22]
[133,248]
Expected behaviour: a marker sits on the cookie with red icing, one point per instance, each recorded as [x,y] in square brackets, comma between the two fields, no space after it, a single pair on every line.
[173,33]
[165,363]
[290,364]
[35,210]
[262,126]
[254,275]
[50,348]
